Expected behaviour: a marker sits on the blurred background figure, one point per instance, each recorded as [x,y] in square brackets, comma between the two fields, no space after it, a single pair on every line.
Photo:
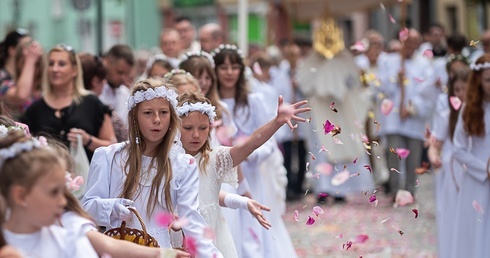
[171,46]
[210,36]
[187,34]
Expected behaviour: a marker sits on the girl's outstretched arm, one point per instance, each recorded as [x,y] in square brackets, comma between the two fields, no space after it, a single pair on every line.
[285,113]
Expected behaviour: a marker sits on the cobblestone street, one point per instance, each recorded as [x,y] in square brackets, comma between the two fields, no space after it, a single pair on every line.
[392,232]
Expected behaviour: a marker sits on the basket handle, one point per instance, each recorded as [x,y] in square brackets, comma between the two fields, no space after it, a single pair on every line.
[143,226]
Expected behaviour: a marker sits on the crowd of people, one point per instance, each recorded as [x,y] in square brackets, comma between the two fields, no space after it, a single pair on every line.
[201,146]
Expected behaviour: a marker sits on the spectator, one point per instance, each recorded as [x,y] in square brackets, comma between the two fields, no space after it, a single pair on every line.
[187,34]
[210,36]
[171,46]
[7,52]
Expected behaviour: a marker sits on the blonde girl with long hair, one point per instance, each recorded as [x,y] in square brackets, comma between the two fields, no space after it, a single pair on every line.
[150,172]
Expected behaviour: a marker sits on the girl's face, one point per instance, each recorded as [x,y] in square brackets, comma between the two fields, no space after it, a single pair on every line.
[460,89]
[45,202]
[195,132]
[228,74]
[485,82]
[154,120]
[157,71]
[205,82]
[61,70]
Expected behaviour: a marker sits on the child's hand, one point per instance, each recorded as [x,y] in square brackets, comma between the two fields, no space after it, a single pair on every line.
[121,210]
[287,112]
[256,209]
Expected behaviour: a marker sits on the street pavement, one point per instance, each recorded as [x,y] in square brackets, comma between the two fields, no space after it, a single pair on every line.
[391,232]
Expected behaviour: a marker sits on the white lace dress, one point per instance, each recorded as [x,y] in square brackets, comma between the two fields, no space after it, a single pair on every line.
[219,170]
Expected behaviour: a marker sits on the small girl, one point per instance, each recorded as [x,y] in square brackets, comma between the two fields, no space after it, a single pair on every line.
[182,81]
[472,151]
[150,172]
[216,164]
[440,151]
[158,66]
[32,180]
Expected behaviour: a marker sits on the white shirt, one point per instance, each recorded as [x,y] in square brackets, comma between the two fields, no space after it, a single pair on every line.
[116,99]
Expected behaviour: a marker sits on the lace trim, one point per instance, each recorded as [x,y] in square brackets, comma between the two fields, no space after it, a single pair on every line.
[225,172]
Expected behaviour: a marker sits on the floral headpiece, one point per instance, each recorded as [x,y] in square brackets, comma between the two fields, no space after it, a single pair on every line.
[205,54]
[154,58]
[170,74]
[453,58]
[149,94]
[479,67]
[73,184]
[228,47]
[17,148]
[18,126]
[202,107]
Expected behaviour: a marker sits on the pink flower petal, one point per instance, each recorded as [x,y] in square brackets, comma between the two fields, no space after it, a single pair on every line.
[256,68]
[340,178]
[347,245]
[355,161]
[428,53]
[386,106]
[209,233]
[310,221]
[324,168]
[322,195]
[339,236]
[318,210]
[403,153]
[337,141]
[403,198]
[372,198]
[392,20]
[455,102]
[477,207]
[418,79]
[164,219]
[224,134]
[403,35]
[328,127]
[191,161]
[333,108]
[368,168]
[360,45]
[360,239]
[190,244]
[312,156]
[307,165]
[416,212]
[296,215]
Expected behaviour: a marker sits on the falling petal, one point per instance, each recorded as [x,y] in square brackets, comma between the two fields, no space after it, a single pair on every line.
[361,239]
[355,161]
[224,135]
[190,244]
[347,245]
[339,236]
[403,198]
[474,43]
[401,232]
[181,223]
[392,20]
[455,102]
[383,221]
[416,212]
[254,236]
[324,168]
[417,183]
[333,108]
[395,170]
[355,174]
[372,198]
[477,207]
[328,127]
[307,165]
[257,69]
[191,161]
[364,138]
[322,148]
[209,233]
[382,7]
[368,168]
[336,130]
[322,195]
[403,153]
[340,178]
[164,219]
[312,156]
[310,221]
[418,79]
[361,45]
[308,120]
[337,141]
[403,35]
[428,53]
[386,106]
[296,215]
[318,210]
[316,175]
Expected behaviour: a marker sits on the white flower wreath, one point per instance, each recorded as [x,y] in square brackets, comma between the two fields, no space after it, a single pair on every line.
[229,47]
[481,66]
[149,94]
[170,74]
[200,53]
[17,148]
[202,107]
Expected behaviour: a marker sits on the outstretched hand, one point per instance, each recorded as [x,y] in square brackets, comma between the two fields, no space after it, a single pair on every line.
[288,112]
[255,208]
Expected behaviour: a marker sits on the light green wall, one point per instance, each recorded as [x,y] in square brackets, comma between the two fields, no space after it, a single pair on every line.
[139,17]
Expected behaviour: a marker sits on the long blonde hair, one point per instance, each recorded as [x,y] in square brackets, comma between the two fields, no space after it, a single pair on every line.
[79,90]
[135,151]
[191,98]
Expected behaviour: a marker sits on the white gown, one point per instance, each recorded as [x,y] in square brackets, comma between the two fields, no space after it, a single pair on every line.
[218,170]
[446,180]
[104,186]
[52,241]
[472,228]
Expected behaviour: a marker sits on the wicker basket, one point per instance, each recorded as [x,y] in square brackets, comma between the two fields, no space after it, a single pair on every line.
[137,236]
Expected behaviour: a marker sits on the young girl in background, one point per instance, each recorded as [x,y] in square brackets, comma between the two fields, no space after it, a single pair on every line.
[440,152]
[264,168]
[182,81]
[472,152]
[32,181]
[150,172]
[158,66]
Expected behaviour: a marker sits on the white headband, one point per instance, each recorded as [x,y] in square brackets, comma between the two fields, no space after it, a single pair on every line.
[481,66]
[149,94]
[229,47]
[200,53]
[17,148]
[202,107]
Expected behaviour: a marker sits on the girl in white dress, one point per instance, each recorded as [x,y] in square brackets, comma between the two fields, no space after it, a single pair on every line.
[216,163]
[266,185]
[150,172]
[472,151]
[32,180]
[440,151]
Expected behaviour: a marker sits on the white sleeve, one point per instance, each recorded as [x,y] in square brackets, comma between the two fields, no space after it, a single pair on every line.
[476,168]
[441,119]
[97,200]
[187,203]
[226,173]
